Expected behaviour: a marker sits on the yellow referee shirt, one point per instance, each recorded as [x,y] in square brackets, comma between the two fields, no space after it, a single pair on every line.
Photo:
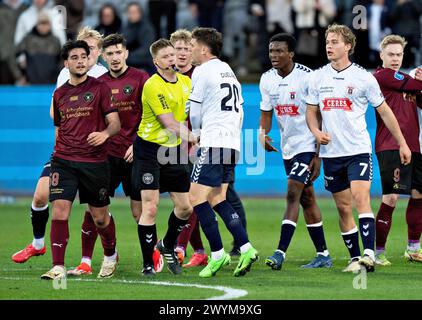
[160,96]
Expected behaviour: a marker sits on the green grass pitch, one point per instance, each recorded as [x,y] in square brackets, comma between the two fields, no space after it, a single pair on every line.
[402,280]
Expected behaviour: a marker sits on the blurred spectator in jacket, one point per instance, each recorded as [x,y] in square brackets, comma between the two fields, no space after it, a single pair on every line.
[75,14]
[378,12]
[92,8]
[109,20]
[257,9]
[9,13]
[28,19]
[139,35]
[209,13]
[405,21]
[42,51]
[163,8]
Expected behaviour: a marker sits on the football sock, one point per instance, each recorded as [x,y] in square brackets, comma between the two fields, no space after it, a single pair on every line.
[383,225]
[413,245]
[175,226]
[209,225]
[89,235]
[39,218]
[59,236]
[288,228]
[414,219]
[367,233]
[351,240]
[147,239]
[195,237]
[234,200]
[108,238]
[232,221]
[316,232]
[217,255]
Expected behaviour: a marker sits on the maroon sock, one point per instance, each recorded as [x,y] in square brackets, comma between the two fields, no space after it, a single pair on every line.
[108,238]
[59,235]
[185,234]
[383,224]
[89,235]
[195,238]
[414,219]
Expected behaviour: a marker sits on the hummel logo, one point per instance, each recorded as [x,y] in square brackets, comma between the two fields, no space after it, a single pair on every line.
[86,232]
[348,241]
[365,233]
[366,226]
[148,238]
[349,246]
[58,244]
[382,221]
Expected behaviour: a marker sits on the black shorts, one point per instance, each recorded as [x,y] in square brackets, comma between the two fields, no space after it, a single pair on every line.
[397,178]
[45,170]
[158,168]
[92,179]
[121,172]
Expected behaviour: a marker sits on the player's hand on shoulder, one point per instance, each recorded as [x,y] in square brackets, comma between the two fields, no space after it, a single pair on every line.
[315,168]
[97,138]
[129,154]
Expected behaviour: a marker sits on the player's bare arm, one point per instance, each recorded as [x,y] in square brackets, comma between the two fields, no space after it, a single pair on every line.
[391,123]
[179,129]
[113,127]
[265,124]
[313,121]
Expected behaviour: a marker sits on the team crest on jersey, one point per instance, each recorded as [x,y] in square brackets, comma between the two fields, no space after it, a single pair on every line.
[127,90]
[147,178]
[287,110]
[292,95]
[350,90]
[88,97]
[337,104]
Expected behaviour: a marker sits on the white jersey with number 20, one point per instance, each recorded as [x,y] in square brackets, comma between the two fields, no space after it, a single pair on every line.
[216,88]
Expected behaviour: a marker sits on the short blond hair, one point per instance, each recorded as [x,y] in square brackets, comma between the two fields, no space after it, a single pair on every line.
[88,32]
[158,45]
[392,39]
[181,35]
[347,34]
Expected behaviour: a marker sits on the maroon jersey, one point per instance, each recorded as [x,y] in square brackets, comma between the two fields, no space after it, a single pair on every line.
[127,97]
[78,111]
[189,74]
[393,86]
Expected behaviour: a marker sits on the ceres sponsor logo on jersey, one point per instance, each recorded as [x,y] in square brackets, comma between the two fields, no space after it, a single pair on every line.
[287,110]
[337,104]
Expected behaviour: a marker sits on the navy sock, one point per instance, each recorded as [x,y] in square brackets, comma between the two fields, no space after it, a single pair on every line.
[175,226]
[39,220]
[286,233]
[351,240]
[147,238]
[316,232]
[234,200]
[209,225]
[367,231]
[232,221]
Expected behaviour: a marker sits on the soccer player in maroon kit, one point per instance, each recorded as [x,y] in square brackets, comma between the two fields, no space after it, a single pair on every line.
[85,119]
[395,177]
[126,84]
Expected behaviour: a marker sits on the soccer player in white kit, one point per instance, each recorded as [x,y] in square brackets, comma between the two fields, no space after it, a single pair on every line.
[338,98]
[216,114]
[284,89]
[39,207]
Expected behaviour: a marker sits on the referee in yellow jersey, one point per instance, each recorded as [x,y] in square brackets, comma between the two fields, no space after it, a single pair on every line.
[157,155]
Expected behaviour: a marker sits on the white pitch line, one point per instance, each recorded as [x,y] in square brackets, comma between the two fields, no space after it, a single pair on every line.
[229,293]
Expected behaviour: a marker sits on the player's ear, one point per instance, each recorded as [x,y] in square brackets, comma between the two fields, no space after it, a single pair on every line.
[66,64]
[126,54]
[291,54]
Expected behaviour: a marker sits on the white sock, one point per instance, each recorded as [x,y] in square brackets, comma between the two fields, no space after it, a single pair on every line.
[370,253]
[245,247]
[325,253]
[217,255]
[38,243]
[111,258]
[282,252]
[86,260]
[413,246]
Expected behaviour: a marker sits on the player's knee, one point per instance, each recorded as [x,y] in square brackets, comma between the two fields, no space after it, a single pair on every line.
[184,210]
[390,199]
[60,211]
[362,199]
[292,196]
[149,209]
[307,200]
[344,209]
[40,198]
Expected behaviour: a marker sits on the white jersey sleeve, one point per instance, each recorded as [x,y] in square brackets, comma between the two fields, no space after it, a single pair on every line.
[312,92]
[199,85]
[373,91]
[265,96]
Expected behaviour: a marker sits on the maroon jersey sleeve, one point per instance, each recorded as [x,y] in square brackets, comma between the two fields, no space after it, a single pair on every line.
[397,81]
